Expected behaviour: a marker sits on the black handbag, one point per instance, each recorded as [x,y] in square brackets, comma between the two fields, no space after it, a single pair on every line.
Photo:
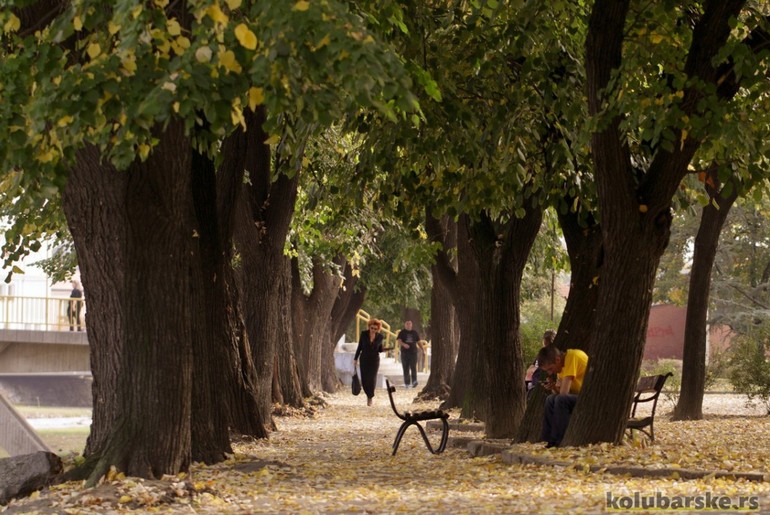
[356,384]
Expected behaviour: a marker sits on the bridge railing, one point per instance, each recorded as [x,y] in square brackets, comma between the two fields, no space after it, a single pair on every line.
[42,313]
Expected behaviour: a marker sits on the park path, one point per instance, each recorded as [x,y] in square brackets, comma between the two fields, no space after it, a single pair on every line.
[339,461]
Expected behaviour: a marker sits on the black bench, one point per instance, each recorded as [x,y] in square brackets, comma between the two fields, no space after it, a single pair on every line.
[414,418]
[648,389]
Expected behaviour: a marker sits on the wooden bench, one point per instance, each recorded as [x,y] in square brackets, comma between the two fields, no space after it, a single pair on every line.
[414,418]
[647,390]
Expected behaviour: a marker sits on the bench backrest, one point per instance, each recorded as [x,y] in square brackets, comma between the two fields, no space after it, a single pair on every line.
[648,389]
[392,389]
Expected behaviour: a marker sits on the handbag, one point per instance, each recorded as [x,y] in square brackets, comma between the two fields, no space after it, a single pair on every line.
[356,384]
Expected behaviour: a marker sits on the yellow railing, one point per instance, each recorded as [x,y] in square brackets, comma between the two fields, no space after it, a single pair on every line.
[42,313]
[393,349]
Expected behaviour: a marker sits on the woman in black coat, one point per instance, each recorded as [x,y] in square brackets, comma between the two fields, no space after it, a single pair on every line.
[369,348]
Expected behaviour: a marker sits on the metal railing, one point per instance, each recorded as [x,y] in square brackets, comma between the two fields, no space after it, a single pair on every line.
[42,313]
[393,350]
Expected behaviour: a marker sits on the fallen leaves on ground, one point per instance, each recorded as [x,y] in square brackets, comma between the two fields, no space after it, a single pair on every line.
[339,460]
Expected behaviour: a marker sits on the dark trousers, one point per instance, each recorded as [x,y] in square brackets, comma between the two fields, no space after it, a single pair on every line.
[409,364]
[370,366]
[558,409]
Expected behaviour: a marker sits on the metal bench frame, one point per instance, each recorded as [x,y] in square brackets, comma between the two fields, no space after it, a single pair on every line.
[648,389]
[414,418]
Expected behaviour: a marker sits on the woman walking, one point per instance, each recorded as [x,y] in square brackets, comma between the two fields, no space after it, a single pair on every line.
[369,348]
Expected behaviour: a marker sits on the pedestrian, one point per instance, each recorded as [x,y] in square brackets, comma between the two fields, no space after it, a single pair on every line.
[407,340]
[535,374]
[369,348]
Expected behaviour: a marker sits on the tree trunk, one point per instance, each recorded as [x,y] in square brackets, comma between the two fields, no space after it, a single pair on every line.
[635,213]
[99,232]
[503,255]
[443,343]
[149,434]
[584,247]
[349,300]
[262,222]
[690,404]
[445,333]
[463,285]
[312,316]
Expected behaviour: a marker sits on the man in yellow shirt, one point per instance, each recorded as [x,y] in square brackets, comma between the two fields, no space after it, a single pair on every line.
[570,369]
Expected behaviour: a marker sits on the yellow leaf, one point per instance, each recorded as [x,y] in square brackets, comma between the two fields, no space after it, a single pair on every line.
[642,208]
[216,14]
[684,137]
[256,97]
[228,61]
[176,106]
[233,4]
[169,86]
[113,28]
[656,38]
[236,114]
[272,140]
[94,50]
[325,41]
[64,121]
[129,64]
[77,23]
[144,151]
[136,11]
[246,37]
[161,3]
[302,5]
[174,29]
[124,499]
[595,280]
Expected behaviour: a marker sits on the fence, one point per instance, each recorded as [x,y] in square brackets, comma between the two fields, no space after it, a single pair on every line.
[42,313]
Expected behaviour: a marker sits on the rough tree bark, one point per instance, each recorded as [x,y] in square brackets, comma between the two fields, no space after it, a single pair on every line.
[311,316]
[350,298]
[635,214]
[444,337]
[690,404]
[265,208]
[503,255]
[584,244]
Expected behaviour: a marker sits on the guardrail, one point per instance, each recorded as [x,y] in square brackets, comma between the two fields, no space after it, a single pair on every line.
[42,313]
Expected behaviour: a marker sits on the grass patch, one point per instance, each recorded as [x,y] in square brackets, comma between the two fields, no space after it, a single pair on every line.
[65,440]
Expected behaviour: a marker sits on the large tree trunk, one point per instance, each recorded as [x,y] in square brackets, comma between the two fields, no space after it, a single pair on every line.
[444,329]
[312,316]
[149,416]
[690,404]
[584,247]
[262,222]
[99,232]
[350,298]
[503,257]
[443,343]
[291,376]
[635,215]
[463,285]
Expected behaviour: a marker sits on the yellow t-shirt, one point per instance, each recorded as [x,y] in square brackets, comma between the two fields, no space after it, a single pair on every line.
[575,364]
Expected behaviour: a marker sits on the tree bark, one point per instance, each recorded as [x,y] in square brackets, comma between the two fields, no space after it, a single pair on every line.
[350,298]
[99,231]
[147,430]
[503,255]
[444,333]
[265,208]
[635,214]
[584,247]
[690,404]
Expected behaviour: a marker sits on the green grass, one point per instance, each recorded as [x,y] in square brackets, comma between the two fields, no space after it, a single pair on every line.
[65,440]
[52,411]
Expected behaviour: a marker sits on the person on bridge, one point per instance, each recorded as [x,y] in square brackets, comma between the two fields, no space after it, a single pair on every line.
[369,348]
[74,307]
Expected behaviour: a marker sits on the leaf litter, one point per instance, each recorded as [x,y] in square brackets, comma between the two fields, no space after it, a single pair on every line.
[339,460]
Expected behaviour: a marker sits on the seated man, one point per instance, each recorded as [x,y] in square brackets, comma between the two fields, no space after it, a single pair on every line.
[570,369]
